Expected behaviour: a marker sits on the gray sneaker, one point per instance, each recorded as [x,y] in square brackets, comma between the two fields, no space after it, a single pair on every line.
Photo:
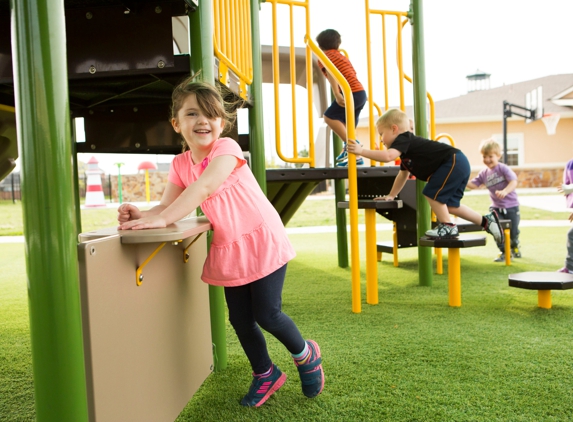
[493,227]
[500,258]
[443,231]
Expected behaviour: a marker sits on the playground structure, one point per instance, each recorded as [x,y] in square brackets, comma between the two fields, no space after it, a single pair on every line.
[543,282]
[121,68]
[146,166]
[159,309]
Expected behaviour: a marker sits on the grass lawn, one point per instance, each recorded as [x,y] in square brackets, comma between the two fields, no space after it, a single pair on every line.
[409,358]
[311,213]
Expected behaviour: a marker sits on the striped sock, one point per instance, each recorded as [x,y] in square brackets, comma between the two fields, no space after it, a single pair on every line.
[304,356]
[264,374]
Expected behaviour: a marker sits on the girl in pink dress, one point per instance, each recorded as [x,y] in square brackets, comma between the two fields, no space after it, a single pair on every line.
[250,248]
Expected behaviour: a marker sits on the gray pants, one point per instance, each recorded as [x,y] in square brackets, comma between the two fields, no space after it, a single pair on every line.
[513,215]
[569,258]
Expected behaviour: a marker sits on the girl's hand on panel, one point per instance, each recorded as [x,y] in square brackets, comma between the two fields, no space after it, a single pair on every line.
[152,222]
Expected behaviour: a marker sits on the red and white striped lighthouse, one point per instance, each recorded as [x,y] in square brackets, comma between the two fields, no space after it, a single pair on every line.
[94,190]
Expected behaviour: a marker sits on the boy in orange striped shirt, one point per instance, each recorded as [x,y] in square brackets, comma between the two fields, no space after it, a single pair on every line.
[335,116]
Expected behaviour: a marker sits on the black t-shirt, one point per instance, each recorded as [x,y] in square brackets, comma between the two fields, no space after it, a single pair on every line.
[420,156]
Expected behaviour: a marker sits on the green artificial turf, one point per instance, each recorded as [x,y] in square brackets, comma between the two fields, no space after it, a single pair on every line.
[410,358]
[319,212]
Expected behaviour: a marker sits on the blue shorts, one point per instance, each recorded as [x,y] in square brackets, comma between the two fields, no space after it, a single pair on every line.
[449,181]
[335,112]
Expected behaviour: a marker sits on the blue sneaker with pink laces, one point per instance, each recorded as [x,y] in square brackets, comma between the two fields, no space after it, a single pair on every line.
[310,371]
[263,387]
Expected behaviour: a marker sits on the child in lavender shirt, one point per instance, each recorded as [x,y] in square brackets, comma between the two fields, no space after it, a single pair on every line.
[501,182]
[567,189]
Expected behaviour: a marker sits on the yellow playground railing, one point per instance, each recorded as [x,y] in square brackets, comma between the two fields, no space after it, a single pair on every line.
[232,42]
[291,4]
[383,14]
[352,176]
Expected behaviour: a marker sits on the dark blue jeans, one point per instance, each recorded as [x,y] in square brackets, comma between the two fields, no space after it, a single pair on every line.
[513,215]
[258,305]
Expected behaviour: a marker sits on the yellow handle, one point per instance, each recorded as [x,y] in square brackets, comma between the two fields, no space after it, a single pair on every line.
[138,275]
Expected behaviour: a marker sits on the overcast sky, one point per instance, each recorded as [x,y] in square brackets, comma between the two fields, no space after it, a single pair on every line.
[513,40]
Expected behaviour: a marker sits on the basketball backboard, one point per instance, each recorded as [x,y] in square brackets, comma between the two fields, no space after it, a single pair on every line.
[534,102]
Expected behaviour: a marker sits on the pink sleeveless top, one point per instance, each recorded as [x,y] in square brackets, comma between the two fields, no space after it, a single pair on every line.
[249,238]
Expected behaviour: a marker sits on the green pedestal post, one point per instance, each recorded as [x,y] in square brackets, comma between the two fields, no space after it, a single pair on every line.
[419,81]
[119,187]
[340,196]
[256,127]
[49,215]
[202,59]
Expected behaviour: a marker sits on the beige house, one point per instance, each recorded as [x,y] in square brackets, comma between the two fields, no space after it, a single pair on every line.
[537,158]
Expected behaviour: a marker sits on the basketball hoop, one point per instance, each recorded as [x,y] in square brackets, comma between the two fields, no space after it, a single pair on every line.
[550,121]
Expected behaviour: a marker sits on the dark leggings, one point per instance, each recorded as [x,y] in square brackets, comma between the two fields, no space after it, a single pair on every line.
[258,304]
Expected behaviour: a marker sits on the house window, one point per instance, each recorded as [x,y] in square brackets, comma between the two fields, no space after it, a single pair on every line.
[515,151]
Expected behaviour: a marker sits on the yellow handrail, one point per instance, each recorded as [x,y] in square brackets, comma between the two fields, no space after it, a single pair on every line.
[448,136]
[276,82]
[352,176]
[382,14]
[232,41]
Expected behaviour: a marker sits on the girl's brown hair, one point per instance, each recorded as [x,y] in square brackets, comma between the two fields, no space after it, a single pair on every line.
[209,99]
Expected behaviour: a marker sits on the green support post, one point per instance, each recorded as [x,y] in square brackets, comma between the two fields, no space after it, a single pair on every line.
[76,190]
[119,186]
[256,127]
[202,59]
[419,80]
[43,124]
[340,196]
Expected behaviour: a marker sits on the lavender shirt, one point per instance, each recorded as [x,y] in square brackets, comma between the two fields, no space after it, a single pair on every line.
[568,179]
[495,179]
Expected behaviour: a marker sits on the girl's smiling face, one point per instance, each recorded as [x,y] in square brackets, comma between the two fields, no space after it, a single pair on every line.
[199,131]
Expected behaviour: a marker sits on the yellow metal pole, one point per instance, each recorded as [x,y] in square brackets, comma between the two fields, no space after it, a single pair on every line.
[544,299]
[371,127]
[276,81]
[147,185]
[395,244]
[439,262]
[400,67]
[309,84]
[506,233]
[352,176]
[371,263]
[454,277]
[386,100]
[293,83]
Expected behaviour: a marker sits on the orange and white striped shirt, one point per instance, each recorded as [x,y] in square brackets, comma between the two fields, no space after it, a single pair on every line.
[345,67]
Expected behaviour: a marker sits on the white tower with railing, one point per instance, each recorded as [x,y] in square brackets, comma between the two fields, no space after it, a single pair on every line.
[94,189]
